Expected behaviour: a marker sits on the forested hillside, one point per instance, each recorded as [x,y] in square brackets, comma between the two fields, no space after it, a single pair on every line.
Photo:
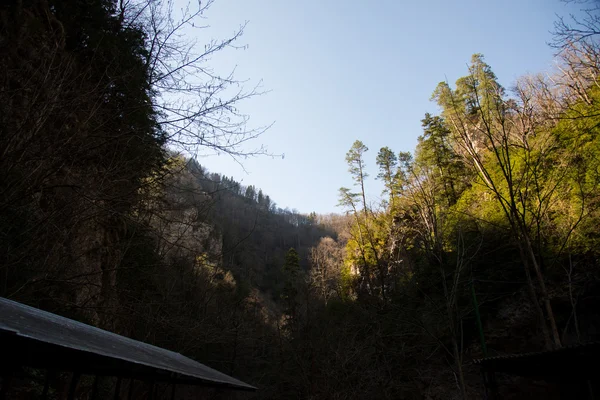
[486,242]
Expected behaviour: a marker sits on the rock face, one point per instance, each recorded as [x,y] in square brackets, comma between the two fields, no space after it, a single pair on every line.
[177,225]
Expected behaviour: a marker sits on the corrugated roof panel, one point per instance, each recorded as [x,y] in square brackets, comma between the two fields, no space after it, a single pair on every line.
[571,349]
[41,326]
[571,362]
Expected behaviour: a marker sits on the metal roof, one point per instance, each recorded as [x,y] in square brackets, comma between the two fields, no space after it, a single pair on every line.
[39,338]
[577,361]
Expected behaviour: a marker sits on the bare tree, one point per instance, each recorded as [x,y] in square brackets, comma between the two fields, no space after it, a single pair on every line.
[199,108]
[326,259]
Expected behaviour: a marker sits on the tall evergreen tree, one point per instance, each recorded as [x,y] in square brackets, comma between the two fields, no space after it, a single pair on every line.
[292,271]
[388,163]
[356,167]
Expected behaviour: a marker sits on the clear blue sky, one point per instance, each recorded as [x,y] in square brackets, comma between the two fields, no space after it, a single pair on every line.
[345,70]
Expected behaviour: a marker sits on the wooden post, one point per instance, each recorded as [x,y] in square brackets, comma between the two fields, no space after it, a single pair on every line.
[6,381]
[95,388]
[46,385]
[130,394]
[174,385]
[489,384]
[118,389]
[151,391]
[73,387]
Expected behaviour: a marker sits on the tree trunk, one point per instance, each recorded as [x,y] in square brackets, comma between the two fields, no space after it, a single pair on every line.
[544,293]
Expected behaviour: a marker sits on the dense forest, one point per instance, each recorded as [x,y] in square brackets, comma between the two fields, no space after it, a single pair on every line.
[486,242]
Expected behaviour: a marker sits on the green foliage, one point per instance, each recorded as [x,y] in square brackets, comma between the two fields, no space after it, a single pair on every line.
[435,150]
[388,164]
[289,294]
[496,198]
[355,160]
[98,221]
[347,199]
[291,267]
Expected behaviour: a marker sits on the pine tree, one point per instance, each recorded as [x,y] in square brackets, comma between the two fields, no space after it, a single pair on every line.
[356,167]
[388,163]
[291,273]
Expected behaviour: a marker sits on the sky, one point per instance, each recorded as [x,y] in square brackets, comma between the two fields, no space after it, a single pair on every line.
[338,71]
